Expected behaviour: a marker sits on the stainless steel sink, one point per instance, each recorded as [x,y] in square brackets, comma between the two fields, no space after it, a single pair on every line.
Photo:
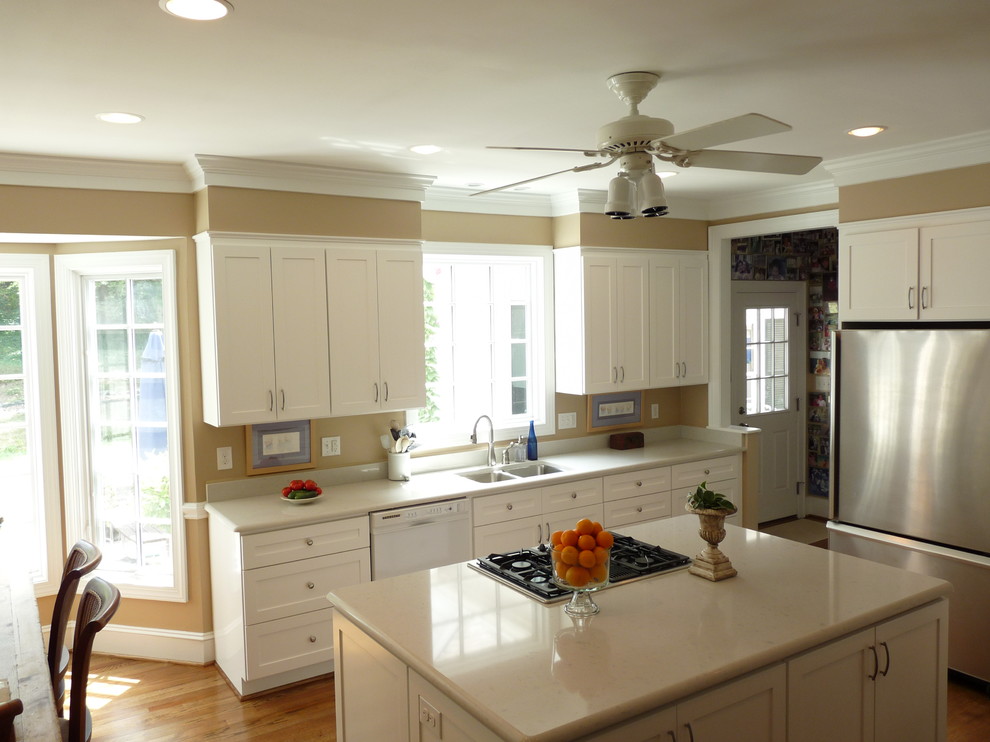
[510,472]
[533,469]
[487,476]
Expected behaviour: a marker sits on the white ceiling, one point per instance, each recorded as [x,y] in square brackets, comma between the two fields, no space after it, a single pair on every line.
[354,84]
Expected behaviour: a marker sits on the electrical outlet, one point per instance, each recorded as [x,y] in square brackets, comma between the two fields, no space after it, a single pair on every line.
[428,715]
[655,410]
[331,445]
[566,420]
[225,458]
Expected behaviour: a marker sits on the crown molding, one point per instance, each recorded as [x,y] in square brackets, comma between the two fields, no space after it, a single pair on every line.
[789,198]
[237,172]
[76,172]
[445,198]
[900,162]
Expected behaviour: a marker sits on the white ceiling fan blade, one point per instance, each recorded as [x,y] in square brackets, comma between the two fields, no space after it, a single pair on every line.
[758,162]
[578,169]
[736,129]
[588,152]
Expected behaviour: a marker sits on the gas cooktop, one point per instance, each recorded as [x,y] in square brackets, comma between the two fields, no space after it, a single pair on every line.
[530,570]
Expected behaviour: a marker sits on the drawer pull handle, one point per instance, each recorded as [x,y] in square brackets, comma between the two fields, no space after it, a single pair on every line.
[312,640]
[310,585]
[309,542]
[509,506]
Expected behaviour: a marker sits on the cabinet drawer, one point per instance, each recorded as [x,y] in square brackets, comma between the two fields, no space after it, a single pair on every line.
[302,542]
[637,509]
[634,483]
[290,643]
[585,493]
[507,506]
[283,590]
[707,470]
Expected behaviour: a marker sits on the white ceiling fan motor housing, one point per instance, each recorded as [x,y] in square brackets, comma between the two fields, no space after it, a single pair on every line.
[631,133]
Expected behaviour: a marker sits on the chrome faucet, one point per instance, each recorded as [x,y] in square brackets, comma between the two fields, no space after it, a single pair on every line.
[491,437]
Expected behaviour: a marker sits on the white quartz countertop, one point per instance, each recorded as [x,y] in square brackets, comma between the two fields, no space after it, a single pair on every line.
[267,512]
[528,671]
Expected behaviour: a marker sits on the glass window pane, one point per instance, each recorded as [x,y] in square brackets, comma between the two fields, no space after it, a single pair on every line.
[520,404]
[111,302]
[12,408]
[112,351]
[518,360]
[10,303]
[11,352]
[148,307]
[115,401]
[518,322]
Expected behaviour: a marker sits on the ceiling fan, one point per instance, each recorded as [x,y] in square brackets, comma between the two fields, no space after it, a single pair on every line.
[635,140]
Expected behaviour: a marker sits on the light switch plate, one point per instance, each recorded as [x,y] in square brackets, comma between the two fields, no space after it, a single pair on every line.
[331,445]
[566,420]
[655,410]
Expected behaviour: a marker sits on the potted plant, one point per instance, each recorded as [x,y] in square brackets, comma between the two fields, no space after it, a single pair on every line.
[712,508]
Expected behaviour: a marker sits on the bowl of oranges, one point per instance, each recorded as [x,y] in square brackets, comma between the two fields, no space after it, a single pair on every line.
[580,563]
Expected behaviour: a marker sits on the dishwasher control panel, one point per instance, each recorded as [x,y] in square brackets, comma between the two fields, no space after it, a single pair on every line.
[446,509]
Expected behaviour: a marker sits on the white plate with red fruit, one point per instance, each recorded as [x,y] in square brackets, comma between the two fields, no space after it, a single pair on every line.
[300,492]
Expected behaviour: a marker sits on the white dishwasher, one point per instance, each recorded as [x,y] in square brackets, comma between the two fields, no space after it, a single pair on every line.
[419,537]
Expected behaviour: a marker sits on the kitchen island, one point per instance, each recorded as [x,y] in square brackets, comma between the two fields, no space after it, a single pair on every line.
[452,654]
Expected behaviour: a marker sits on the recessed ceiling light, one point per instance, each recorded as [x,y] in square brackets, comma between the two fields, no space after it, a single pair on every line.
[196,10]
[119,117]
[866,131]
[426,149]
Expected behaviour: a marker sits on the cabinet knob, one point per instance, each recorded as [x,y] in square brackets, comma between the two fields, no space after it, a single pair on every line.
[509,506]
[309,542]
[574,495]
[310,585]
[639,484]
[312,639]
[708,471]
[639,509]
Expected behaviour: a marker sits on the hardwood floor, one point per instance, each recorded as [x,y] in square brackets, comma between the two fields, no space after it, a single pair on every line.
[163,702]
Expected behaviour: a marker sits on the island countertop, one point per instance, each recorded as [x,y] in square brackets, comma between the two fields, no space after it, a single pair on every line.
[528,671]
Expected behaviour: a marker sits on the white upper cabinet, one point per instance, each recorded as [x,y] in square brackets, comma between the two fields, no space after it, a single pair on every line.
[376,327]
[928,273]
[263,330]
[601,316]
[679,319]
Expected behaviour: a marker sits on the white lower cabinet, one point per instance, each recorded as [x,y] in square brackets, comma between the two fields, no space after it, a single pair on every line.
[636,496]
[722,475]
[524,518]
[886,683]
[272,622]
[433,716]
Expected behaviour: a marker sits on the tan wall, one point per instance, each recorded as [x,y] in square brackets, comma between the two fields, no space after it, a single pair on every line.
[946,190]
[446,226]
[598,230]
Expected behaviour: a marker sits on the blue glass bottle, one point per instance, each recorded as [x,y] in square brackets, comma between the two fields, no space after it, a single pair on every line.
[531,453]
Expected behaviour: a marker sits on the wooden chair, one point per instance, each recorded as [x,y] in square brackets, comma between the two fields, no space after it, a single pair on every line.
[82,559]
[97,605]
[8,710]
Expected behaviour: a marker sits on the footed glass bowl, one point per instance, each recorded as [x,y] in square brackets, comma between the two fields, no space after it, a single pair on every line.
[574,570]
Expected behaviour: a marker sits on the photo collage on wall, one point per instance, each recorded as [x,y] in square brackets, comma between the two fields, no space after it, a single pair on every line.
[811,256]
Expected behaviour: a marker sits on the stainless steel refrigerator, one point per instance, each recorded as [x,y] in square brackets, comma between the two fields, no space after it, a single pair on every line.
[911,464]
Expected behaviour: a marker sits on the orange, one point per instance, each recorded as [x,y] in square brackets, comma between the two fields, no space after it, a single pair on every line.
[596,528]
[599,572]
[586,541]
[578,576]
[586,558]
[584,526]
[555,537]
[605,540]
[569,555]
[600,555]
[569,538]
[561,569]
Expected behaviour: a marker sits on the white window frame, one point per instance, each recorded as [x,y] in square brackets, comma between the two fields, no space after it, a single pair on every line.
[70,273]
[34,272]
[542,327]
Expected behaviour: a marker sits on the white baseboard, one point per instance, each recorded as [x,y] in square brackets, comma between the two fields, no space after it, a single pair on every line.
[151,644]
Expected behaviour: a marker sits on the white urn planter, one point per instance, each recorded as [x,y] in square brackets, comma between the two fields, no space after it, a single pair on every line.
[711,563]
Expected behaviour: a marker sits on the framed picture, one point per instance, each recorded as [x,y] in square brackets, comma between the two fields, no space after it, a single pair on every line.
[275,447]
[615,410]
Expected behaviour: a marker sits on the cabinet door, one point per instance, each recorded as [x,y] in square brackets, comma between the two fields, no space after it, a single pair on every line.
[752,709]
[692,319]
[302,362]
[632,315]
[664,357]
[955,263]
[352,302]
[243,351]
[401,329]
[911,684]
[601,361]
[878,276]
[830,693]
[506,536]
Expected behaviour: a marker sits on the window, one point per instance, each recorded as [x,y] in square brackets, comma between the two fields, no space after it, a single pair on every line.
[766,360]
[119,389]
[489,344]
[29,487]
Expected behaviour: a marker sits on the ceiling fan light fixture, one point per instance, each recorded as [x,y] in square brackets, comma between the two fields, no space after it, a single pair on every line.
[621,198]
[196,10]
[652,200]
[866,131]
